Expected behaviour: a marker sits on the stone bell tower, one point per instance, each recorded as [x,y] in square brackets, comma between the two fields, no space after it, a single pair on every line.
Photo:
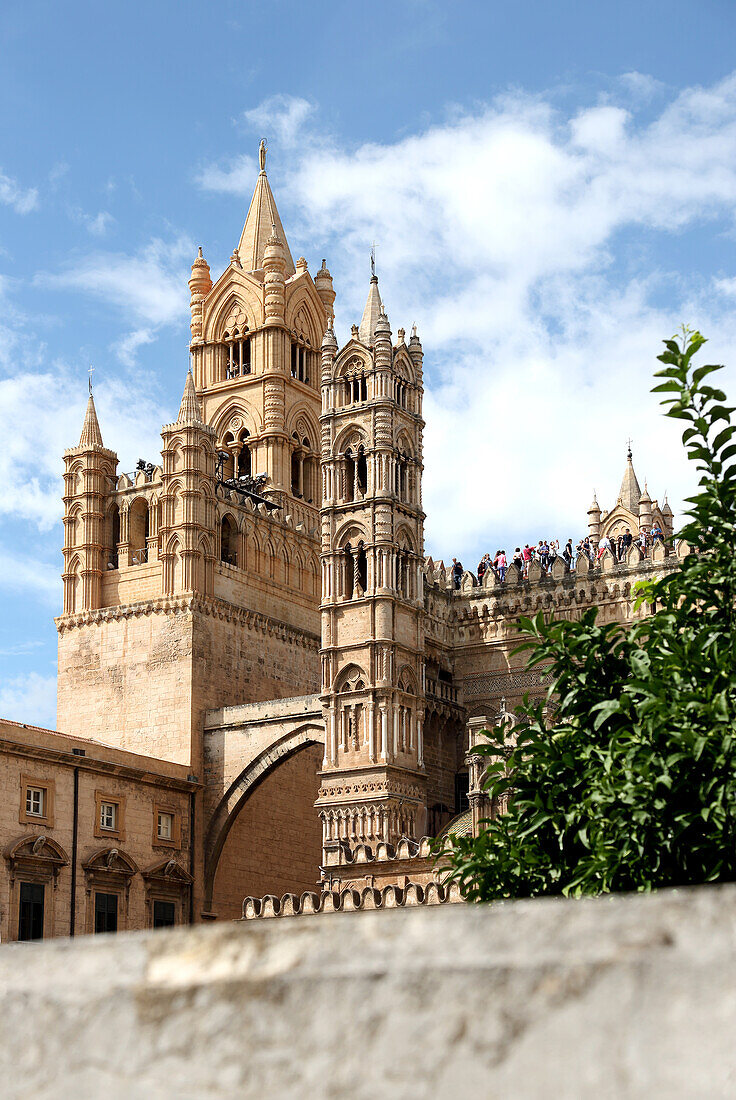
[256,334]
[373,779]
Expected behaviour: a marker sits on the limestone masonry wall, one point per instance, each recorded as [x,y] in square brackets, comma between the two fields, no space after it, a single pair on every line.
[275,843]
[618,998]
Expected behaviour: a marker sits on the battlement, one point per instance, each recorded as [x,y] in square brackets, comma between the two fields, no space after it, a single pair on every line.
[351,900]
[440,577]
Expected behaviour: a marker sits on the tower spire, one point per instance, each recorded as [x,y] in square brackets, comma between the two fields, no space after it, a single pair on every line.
[373,308]
[91,435]
[262,222]
[189,410]
[630,492]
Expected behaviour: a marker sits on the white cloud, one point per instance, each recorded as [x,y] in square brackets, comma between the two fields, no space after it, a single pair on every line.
[501,233]
[23,200]
[150,286]
[96,224]
[282,116]
[236,179]
[30,699]
[641,86]
[46,409]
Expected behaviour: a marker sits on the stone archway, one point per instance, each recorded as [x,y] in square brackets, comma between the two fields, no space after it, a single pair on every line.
[275,790]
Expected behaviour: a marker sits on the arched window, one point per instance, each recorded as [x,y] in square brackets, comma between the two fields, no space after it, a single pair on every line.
[228,541]
[296,472]
[402,573]
[239,461]
[361,472]
[237,353]
[402,477]
[362,568]
[114,520]
[245,465]
[349,471]
[139,531]
[355,570]
[302,359]
[347,571]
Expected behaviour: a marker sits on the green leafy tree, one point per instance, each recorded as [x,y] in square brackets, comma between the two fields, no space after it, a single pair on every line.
[627,781]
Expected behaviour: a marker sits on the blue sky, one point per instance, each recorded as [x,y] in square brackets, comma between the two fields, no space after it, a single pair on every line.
[551,189]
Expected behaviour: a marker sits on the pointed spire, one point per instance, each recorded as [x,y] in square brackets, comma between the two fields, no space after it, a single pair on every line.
[630,493]
[595,506]
[371,313]
[91,435]
[262,222]
[189,411]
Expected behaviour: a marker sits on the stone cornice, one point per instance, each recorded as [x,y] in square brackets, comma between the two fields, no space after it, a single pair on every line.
[95,764]
[190,605]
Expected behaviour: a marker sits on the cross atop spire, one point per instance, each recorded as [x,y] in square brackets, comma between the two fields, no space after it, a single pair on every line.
[262,222]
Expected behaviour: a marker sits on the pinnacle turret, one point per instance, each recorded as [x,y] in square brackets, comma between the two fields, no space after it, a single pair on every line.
[91,435]
[189,411]
[630,493]
[371,313]
[262,222]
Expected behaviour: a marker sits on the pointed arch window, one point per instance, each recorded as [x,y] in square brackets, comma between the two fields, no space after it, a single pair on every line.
[401,486]
[302,361]
[355,570]
[140,525]
[237,353]
[403,573]
[228,541]
[114,521]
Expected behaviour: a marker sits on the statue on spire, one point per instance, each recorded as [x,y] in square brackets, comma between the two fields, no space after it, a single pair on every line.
[262,154]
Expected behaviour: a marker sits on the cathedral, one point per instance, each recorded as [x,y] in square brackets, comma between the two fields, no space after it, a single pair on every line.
[267,695]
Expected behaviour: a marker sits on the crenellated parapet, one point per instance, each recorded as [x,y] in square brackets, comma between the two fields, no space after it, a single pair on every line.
[352,900]
[362,876]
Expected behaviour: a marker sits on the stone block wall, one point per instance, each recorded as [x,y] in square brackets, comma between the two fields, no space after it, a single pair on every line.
[619,998]
[275,843]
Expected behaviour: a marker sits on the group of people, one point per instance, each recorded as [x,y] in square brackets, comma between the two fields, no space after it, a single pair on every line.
[547,551]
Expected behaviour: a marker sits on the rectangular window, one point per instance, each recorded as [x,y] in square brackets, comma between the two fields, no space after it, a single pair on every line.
[106,912]
[164,914]
[109,815]
[165,826]
[35,801]
[30,912]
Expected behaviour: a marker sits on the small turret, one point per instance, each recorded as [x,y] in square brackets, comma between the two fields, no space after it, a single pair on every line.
[645,509]
[200,284]
[667,516]
[594,518]
[89,470]
[326,291]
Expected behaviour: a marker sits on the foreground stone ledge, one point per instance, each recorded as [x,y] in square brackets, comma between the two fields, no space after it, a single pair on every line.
[616,997]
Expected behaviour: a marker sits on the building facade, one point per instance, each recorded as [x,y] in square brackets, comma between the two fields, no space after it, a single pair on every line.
[251,622]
